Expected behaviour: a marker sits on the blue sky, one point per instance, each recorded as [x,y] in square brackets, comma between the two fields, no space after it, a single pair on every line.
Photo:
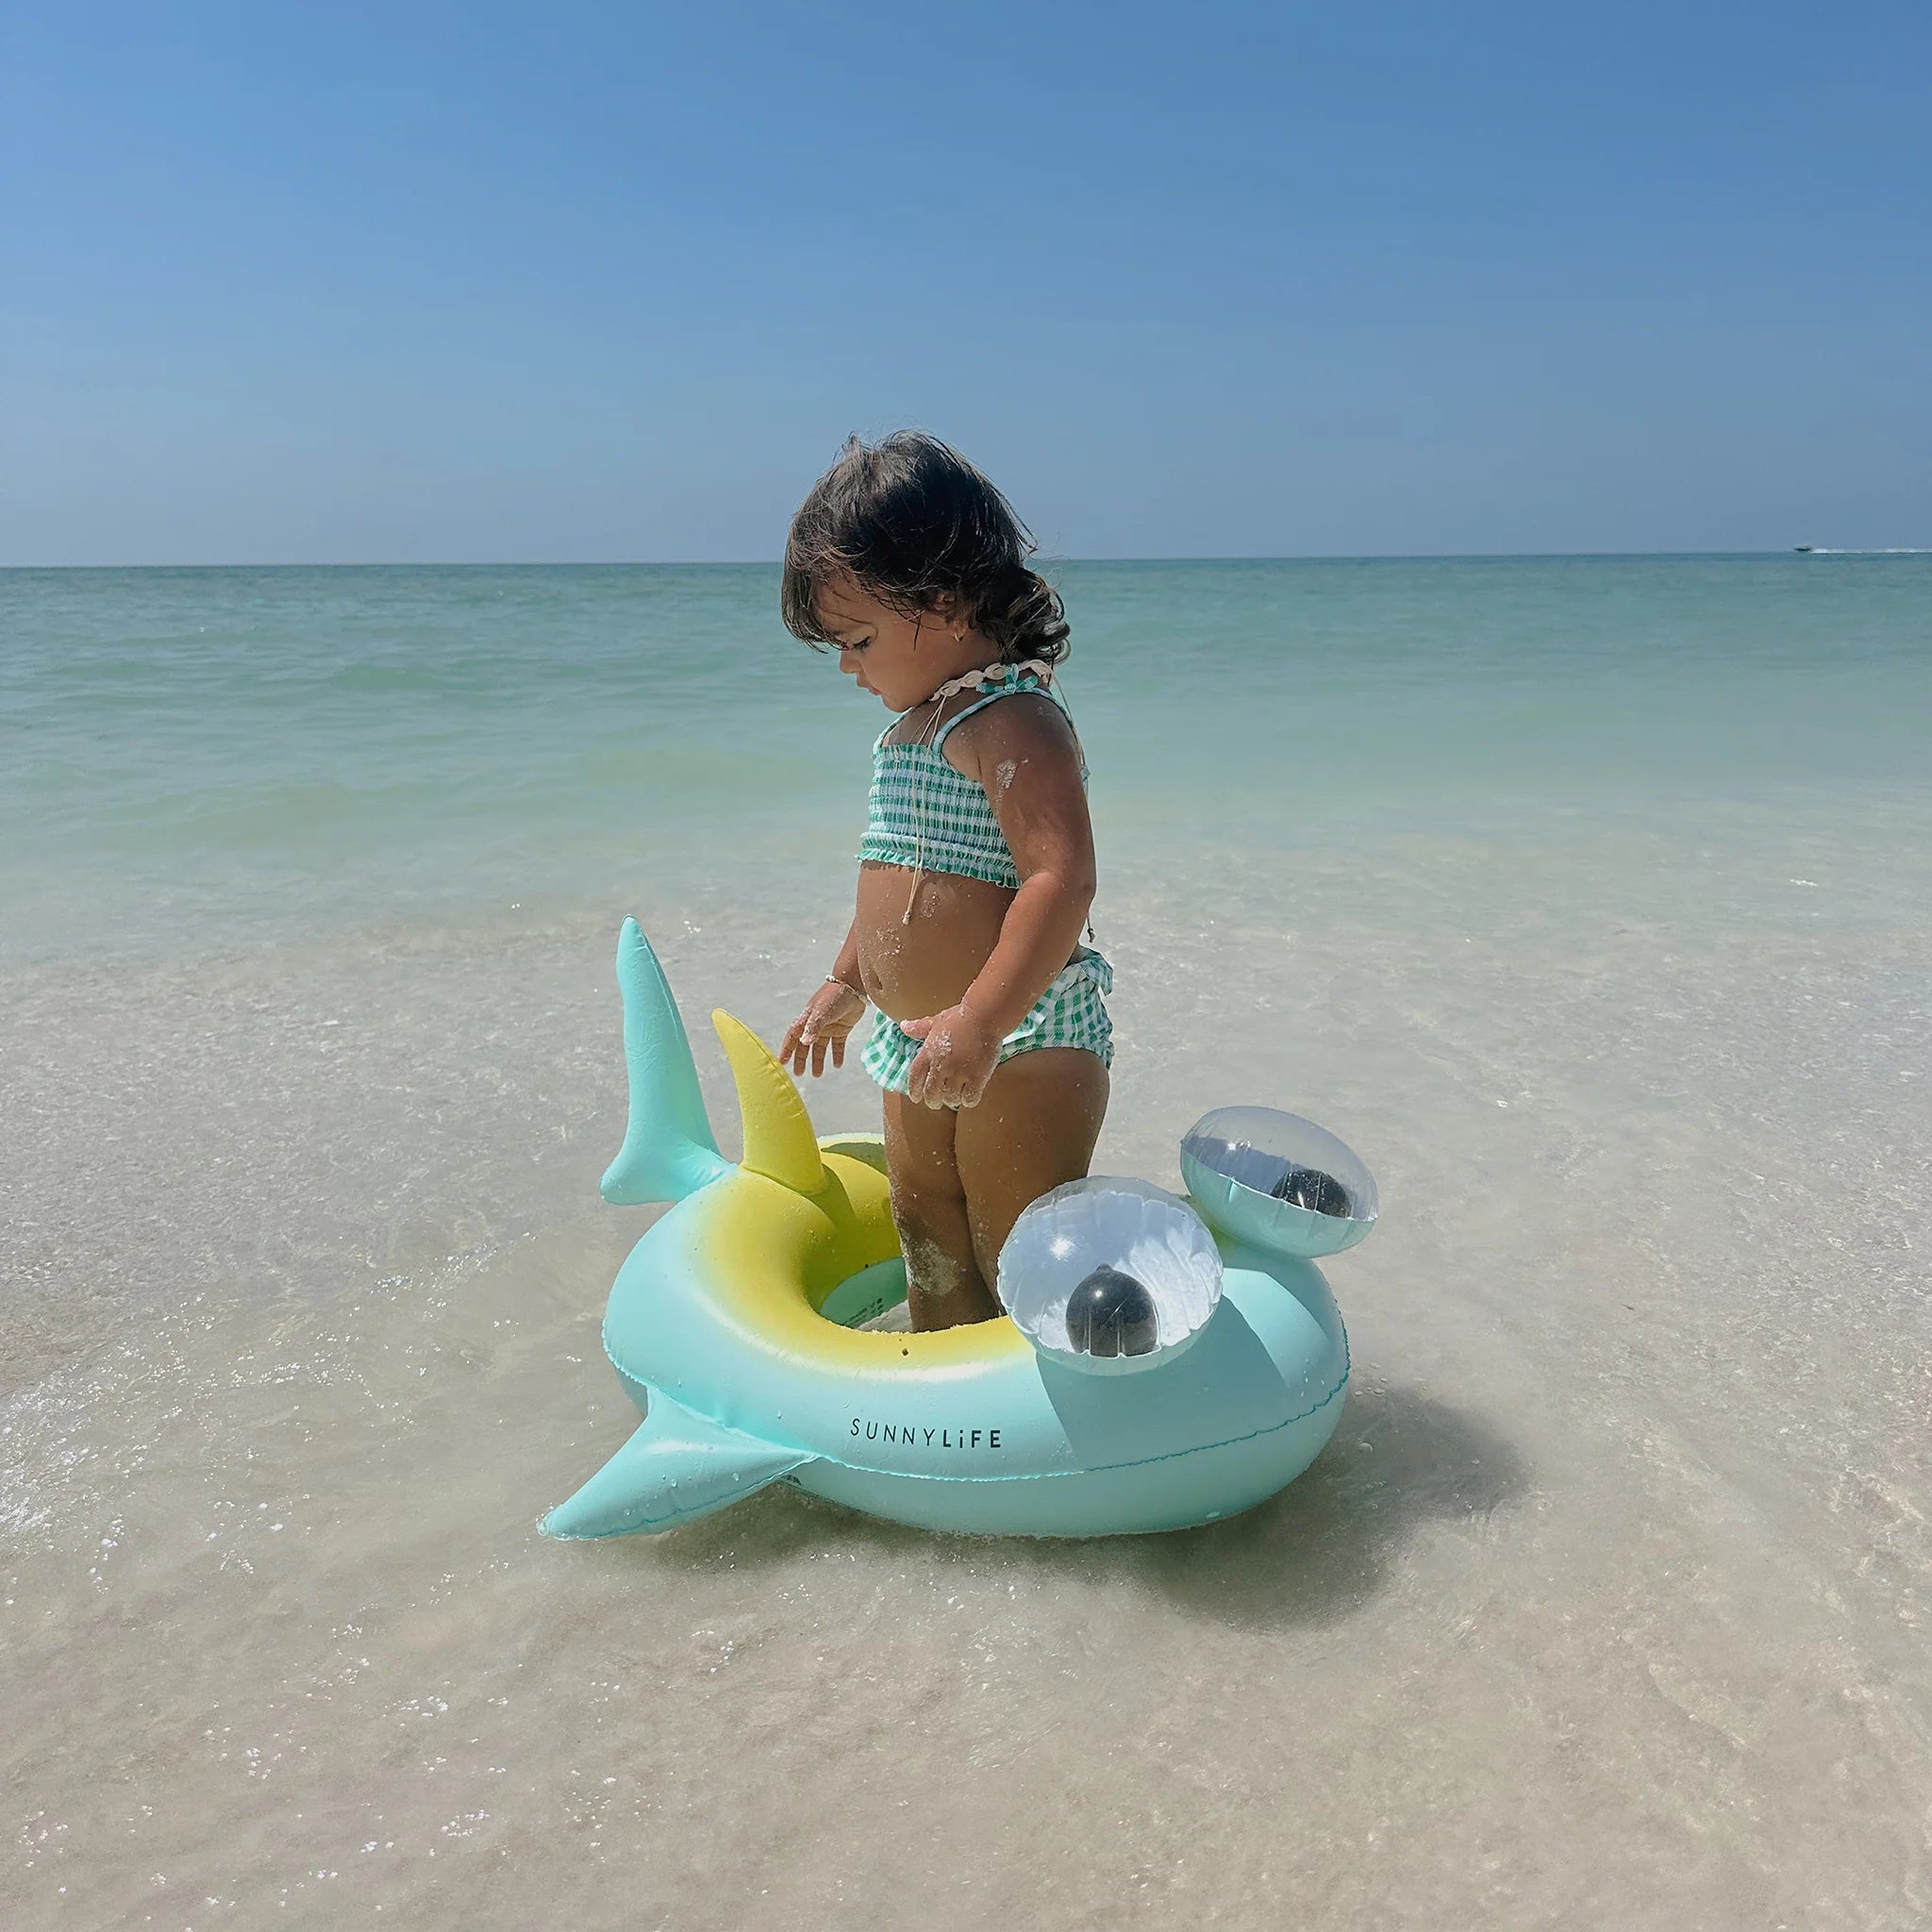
[458,282]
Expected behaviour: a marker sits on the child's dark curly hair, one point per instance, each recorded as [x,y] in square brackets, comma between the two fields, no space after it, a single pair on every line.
[914,524]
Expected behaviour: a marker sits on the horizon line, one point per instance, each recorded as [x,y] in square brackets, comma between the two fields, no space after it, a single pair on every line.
[774,563]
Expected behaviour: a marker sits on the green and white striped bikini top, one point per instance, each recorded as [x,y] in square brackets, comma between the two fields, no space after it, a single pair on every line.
[925,813]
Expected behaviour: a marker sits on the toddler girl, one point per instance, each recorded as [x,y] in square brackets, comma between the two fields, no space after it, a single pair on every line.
[991,1039]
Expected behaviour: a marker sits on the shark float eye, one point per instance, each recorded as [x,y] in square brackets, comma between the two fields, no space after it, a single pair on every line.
[1163,1362]
[1108,1275]
[1278,1180]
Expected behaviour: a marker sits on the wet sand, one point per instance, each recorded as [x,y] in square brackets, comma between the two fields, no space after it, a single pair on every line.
[1609,1604]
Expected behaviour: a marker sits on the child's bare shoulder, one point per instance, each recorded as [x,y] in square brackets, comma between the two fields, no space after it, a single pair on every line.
[1028,725]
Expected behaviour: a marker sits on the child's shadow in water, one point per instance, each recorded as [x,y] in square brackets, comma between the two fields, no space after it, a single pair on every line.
[1310,1556]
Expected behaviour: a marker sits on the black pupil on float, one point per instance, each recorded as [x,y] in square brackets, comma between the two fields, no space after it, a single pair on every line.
[1111,1313]
[1309,1187]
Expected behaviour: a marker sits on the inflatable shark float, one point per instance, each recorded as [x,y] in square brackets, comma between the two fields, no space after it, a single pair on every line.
[735,1323]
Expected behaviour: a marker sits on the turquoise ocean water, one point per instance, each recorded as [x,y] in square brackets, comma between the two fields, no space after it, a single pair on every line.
[193,756]
[1589,899]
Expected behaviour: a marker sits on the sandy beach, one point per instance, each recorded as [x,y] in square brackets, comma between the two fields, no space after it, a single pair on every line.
[1607,1603]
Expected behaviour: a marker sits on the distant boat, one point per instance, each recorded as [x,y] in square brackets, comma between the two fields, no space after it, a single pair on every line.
[1804,549]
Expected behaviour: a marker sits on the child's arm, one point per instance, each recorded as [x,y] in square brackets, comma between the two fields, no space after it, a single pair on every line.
[829,1015]
[1027,757]
[845,967]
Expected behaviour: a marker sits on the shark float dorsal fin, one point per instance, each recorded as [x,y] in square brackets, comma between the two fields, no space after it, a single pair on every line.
[678,1465]
[669,1150]
[779,1140]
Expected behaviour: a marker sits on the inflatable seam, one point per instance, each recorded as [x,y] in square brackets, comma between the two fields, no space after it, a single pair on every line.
[1041,1475]
[1005,1475]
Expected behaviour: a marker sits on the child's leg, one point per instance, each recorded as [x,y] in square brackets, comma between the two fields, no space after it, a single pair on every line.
[1034,1128]
[943,1285]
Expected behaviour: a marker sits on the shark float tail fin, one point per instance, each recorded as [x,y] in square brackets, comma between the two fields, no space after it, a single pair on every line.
[676,1466]
[669,1150]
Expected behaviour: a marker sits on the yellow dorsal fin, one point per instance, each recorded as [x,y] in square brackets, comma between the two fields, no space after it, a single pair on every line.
[779,1140]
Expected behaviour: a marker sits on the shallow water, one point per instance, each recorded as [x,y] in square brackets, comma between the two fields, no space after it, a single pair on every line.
[1607,1604]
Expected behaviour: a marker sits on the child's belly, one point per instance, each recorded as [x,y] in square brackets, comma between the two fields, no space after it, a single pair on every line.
[913,968]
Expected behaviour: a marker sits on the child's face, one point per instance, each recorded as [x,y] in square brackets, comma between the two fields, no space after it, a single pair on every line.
[902,660]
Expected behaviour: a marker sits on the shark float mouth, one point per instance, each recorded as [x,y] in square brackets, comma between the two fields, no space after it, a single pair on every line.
[733,1325]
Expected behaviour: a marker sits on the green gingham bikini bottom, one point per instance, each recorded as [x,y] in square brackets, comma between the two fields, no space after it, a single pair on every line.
[1071,1013]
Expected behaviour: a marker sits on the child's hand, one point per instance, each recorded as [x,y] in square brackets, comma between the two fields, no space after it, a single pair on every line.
[829,1015]
[956,1061]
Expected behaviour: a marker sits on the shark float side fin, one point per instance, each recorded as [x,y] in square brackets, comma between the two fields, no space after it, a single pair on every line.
[669,1150]
[779,1140]
[677,1466]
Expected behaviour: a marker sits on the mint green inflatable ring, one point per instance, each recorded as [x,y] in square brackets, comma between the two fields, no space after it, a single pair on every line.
[733,1326]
